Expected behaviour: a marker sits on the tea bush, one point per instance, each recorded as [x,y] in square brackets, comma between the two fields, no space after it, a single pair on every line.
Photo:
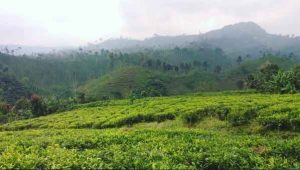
[150,134]
[145,149]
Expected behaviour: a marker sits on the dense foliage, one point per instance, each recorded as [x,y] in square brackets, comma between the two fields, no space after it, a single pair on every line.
[105,73]
[272,79]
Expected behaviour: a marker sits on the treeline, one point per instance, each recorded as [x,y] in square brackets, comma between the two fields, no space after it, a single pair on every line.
[62,75]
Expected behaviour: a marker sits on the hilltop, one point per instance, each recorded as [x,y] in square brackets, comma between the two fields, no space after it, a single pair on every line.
[236,39]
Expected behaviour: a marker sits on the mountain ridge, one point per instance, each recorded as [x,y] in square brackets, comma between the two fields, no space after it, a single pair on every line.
[236,39]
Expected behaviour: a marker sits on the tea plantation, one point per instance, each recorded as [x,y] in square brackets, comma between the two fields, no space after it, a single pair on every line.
[229,130]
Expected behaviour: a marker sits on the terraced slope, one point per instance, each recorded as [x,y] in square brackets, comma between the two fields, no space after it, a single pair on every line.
[118,84]
[234,108]
[204,131]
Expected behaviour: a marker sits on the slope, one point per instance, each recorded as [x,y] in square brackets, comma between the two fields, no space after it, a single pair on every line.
[117,84]
[206,131]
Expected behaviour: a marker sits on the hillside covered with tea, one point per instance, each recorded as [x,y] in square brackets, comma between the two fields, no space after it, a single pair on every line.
[230,130]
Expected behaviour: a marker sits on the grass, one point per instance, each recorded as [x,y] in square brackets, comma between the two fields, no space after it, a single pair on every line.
[228,131]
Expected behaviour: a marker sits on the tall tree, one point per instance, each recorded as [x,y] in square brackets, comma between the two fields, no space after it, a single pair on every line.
[239,60]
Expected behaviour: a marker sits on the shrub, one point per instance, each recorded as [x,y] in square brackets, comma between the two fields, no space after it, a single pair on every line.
[193,117]
[240,117]
[281,121]
[222,112]
[196,116]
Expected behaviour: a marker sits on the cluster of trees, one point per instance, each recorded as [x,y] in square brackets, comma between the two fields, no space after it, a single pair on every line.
[34,106]
[153,88]
[181,67]
[272,79]
[168,60]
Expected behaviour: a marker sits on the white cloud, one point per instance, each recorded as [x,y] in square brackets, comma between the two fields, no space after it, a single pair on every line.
[75,22]
[58,22]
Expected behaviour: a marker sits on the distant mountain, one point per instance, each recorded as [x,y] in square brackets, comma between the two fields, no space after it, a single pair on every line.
[239,30]
[156,41]
[249,38]
[245,38]
[237,39]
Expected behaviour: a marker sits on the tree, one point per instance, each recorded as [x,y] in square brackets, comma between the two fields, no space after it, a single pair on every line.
[158,63]
[81,98]
[196,63]
[218,69]
[165,66]
[282,82]
[155,88]
[271,79]
[296,70]
[111,58]
[205,65]
[291,55]
[252,82]
[5,69]
[239,60]
[176,68]
[22,109]
[117,95]
[149,63]
[240,84]
[4,107]
[268,70]
[38,107]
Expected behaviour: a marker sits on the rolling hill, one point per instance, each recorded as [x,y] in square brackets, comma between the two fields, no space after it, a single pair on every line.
[122,82]
[229,130]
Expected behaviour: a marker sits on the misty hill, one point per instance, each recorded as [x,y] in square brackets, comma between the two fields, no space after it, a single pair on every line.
[157,41]
[180,64]
[32,51]
[238,39]
[245,38]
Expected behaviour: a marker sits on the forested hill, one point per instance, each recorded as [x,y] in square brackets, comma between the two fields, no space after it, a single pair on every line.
[237,39]
[117,75]
[218,60]
[63,76]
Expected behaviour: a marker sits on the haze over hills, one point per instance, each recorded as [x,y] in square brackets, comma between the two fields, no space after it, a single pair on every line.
[19,50]
[237,39]
[149,84]
[216,60]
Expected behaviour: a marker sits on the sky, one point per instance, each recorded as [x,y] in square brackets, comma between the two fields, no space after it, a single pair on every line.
[77,22]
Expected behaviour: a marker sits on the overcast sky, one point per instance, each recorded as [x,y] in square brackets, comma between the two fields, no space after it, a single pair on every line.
[76,22]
